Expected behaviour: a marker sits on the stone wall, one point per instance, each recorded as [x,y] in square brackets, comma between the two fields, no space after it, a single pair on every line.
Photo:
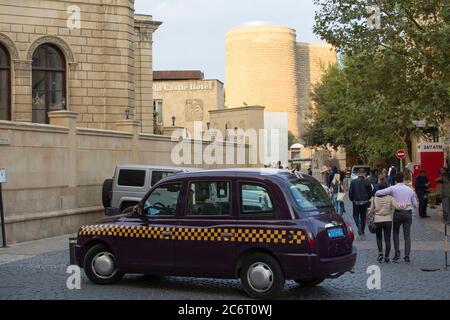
[55,172]
[100,57]
[250,117]
[243,118]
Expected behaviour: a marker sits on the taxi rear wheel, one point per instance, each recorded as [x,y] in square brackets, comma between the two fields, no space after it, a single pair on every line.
[100,265]
[308,283]
[261,276]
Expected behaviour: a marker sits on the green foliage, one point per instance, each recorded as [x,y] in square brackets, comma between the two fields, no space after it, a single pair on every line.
[390,77]
[292,139]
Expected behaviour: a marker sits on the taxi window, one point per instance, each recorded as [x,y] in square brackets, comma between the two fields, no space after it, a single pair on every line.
[255,198]
[209,198]
[309,195]
[163,200]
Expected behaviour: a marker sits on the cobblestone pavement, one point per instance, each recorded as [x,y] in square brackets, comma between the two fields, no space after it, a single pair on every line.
[43,276]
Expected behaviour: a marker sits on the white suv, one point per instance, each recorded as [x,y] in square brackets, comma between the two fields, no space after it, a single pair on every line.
[130,183]
[356,168]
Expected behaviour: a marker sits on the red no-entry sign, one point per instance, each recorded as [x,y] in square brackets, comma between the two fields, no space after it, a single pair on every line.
[400,154]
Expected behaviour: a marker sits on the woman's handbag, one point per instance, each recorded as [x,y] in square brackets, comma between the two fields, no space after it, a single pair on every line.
[371,221]
[340,195]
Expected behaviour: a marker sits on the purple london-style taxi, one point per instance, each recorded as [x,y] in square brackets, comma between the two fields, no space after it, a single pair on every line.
[259,225]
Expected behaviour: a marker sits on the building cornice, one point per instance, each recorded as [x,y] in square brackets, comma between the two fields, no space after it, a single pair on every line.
[246,108]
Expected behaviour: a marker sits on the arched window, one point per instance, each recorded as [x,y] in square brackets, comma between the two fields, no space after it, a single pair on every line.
[49,82]
[5,84]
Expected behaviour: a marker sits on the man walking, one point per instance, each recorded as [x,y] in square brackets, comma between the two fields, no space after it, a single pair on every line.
[391,175]
[421,185]
[406,203]
[360,192]
[444,191]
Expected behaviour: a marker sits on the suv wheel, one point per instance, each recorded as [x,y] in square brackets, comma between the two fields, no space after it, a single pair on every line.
[100,265]
[106,193]
[308,283]
[261,276]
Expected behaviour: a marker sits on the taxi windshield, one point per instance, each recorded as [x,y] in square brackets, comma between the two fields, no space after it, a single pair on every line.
[309,195]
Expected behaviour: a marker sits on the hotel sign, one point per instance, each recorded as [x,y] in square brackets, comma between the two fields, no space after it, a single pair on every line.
[183,87]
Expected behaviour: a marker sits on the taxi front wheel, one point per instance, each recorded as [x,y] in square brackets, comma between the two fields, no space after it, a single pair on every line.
[100,265]
[261,276]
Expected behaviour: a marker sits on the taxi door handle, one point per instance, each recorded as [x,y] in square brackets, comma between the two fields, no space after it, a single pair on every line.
[227,235]
[167,233]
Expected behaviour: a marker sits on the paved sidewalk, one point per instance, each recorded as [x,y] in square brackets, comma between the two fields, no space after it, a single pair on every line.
[435,220]
[23,250]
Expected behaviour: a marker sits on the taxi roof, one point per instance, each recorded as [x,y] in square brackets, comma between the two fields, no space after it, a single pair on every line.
[283,174]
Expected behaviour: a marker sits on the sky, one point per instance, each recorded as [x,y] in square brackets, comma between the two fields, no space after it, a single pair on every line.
[192,36]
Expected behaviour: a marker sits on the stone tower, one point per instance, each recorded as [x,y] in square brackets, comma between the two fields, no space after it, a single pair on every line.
[261,69]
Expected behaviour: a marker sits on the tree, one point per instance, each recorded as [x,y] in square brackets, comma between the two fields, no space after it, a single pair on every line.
[354,108]
[292,139]
[394,73]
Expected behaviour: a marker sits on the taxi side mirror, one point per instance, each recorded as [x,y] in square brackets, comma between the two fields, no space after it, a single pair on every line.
[136,210]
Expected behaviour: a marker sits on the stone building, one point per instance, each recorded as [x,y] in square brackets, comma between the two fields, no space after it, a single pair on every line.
[183,97]
[184,100]
[90,57]
[265,65]
[312,60]
[76,100]
[261,69]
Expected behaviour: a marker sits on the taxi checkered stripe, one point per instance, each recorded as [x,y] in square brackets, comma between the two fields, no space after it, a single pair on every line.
[250,235]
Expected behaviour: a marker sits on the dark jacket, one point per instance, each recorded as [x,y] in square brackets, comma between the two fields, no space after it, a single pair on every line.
[420,184]
[334,170]
[360,190]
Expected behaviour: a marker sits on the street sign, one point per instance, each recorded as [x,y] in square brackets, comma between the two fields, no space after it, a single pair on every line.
[400,154]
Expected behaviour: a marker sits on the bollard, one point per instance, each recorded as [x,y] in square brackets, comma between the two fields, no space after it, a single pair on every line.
[72,243]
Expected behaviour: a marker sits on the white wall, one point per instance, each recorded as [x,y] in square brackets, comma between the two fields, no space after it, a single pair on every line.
[276,137]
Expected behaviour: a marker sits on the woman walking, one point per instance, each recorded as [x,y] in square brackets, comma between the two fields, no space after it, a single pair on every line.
[336,190]
[383,207]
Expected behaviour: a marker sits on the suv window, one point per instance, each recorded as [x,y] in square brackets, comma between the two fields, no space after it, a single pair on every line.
[163,200]
[208,198]
[255,198]
[132,178]
[158,175]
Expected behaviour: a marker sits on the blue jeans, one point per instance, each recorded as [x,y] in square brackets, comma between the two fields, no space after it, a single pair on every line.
[359,215]
[338,206]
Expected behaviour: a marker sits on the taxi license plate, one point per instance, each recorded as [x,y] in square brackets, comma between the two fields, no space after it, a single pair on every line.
[335,233]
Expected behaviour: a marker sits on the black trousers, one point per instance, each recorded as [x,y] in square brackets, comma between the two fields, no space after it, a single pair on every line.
[423,203]
[384,228]
[359,215]
[402,219]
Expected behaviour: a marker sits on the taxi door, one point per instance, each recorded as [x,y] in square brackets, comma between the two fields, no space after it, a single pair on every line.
[147,241]
[204,244]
